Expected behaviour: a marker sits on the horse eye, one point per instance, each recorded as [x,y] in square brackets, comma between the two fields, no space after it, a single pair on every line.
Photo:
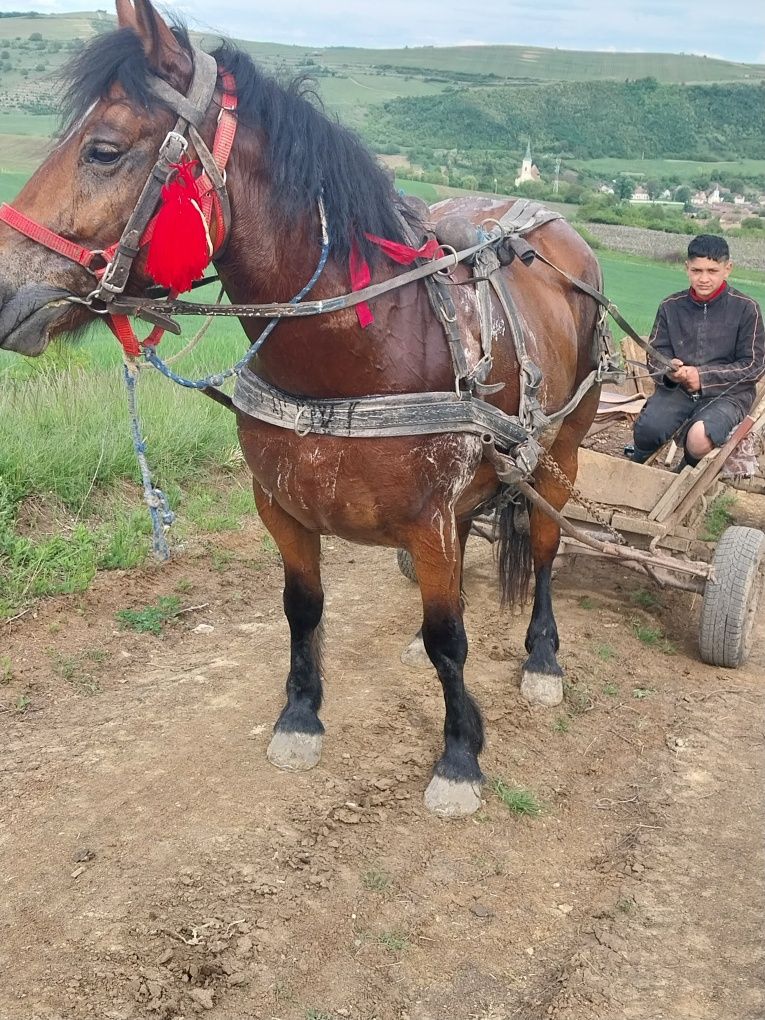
[102,154]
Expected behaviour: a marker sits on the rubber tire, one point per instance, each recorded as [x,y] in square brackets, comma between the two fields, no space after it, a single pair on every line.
[729,606]
[406,565]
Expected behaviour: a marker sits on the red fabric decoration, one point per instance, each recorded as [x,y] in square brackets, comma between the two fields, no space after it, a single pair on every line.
[404,254]
[180,248]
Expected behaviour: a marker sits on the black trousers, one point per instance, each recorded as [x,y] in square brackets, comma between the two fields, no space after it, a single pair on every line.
[668,409]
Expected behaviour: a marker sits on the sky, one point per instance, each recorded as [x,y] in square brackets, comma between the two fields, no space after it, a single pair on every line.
[669,26]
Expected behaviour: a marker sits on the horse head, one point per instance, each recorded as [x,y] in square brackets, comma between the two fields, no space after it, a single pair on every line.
[87,187]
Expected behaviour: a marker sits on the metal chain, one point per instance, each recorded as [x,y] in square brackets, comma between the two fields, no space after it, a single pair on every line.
[594,509]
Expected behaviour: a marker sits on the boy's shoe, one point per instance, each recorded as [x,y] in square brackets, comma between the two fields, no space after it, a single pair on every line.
[636,454]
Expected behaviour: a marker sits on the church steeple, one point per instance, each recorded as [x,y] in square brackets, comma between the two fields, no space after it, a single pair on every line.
[528,171]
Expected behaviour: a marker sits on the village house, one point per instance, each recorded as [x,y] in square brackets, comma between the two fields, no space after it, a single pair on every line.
[640,194]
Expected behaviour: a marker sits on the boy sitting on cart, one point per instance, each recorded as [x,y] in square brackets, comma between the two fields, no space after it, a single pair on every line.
[714,336]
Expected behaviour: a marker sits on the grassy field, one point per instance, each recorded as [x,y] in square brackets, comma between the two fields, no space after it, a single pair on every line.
[637,286]
[522,63]
[685,170]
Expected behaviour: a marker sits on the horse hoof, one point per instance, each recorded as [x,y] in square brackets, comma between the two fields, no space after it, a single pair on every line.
[542,689]
[414,655]
[448,798]
[294,752]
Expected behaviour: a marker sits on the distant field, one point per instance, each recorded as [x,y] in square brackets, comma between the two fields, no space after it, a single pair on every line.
[686,170]
[637,286]
[11,184]
[524,62]
[58,27]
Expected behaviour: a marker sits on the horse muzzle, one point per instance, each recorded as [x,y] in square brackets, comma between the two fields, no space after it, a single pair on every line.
[28,315]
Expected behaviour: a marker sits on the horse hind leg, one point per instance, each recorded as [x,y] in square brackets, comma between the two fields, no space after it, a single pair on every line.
[542,678]
[454,790]
[297,739]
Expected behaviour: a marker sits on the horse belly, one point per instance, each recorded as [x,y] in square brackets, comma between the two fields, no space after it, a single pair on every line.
[364,490]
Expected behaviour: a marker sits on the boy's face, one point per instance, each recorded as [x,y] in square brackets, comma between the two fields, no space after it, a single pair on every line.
[706,275]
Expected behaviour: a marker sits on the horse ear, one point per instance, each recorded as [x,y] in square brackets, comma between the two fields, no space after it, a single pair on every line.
[165,55]
[126,15]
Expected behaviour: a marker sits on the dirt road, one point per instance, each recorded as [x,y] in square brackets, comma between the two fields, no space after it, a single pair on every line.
[153,865]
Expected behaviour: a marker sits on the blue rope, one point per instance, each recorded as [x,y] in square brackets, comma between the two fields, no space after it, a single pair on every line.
[217,379]
[159,508]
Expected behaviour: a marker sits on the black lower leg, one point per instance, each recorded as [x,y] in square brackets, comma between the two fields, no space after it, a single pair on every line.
[542,636]
[446,645]
[303,607]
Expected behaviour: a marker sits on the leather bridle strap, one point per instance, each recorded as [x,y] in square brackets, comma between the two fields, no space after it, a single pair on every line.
[42,235]
[116,261]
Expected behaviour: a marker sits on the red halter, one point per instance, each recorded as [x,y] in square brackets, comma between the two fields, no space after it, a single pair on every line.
[120,325]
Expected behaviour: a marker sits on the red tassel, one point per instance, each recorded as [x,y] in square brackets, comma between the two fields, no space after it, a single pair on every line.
[180,248]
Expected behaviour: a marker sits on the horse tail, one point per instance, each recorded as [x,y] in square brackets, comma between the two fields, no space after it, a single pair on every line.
[512,542]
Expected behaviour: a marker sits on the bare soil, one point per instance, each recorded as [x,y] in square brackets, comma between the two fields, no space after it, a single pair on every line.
[154,865]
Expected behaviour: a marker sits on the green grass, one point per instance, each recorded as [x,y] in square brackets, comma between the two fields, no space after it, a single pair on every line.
[718,517]
[645,599]
[638,286]
[393,941]
[517,799]
[77,669]
[640,693]
[150,619]
[427,192]
[375,880]
[653,637]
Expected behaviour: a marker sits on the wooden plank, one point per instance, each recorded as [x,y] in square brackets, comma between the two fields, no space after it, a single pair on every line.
[617,482]
[674,493]
[708,469]
[637,525]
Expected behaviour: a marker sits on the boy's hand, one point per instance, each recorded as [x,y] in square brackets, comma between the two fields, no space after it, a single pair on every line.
[688,377]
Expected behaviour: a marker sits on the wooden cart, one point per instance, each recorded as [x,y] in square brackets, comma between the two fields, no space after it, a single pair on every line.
[660,515]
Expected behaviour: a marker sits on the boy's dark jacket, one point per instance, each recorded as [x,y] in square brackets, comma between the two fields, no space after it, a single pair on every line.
[722,337]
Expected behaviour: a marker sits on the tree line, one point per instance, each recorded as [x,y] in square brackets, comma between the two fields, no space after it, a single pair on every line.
[583,120]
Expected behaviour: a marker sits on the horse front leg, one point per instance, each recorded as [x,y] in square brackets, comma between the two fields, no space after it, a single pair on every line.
[454,790]
[296,743]
[414,654]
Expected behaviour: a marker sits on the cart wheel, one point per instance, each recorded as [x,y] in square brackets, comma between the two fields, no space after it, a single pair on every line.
[730,602]
[406,564]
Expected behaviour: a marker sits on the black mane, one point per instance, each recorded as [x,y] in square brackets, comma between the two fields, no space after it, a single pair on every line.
[307,153]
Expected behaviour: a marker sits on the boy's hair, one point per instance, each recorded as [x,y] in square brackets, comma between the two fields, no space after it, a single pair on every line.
[709,246]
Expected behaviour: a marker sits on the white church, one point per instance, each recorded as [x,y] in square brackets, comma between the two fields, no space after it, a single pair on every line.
[529,171]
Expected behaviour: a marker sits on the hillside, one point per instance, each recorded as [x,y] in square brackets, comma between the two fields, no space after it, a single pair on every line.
[599,119]
[634,105]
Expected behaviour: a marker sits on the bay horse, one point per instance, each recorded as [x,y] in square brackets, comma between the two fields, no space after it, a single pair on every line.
[414,492]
